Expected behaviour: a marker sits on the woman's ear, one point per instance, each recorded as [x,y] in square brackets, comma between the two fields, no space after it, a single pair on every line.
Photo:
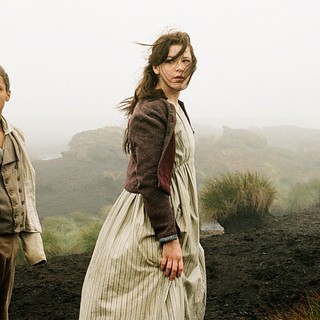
[155,69]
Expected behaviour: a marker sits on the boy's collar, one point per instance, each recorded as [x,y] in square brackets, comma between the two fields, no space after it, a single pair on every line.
[6,126]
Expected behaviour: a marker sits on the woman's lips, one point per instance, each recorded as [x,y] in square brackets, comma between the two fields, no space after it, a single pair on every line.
[178,79]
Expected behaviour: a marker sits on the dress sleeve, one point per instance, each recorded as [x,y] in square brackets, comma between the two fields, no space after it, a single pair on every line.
[148,134]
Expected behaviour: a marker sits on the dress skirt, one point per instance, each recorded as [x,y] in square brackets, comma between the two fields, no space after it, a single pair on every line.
[124,280]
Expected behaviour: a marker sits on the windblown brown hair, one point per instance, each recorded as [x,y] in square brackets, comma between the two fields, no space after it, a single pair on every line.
[146,88]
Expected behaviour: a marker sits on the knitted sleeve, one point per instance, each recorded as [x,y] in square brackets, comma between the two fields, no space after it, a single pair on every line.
[151,129]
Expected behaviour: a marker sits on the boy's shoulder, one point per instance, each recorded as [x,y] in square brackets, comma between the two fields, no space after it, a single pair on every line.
[10,128]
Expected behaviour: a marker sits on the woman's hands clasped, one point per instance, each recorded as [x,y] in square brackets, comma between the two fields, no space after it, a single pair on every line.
[172,261]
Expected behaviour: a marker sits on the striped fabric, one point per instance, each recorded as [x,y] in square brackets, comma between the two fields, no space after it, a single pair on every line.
[124,280]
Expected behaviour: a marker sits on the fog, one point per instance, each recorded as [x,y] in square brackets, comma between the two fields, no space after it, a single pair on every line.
[71,62]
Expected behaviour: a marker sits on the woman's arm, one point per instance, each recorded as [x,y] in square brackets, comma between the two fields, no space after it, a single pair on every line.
[150,131]
[148,134]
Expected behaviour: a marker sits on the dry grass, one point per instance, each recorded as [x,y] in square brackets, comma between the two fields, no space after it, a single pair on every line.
[308,309]
[248,194]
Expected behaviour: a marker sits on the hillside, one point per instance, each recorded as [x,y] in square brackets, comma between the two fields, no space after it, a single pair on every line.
[293,138]
[86,178]
[89,176]
[249,273]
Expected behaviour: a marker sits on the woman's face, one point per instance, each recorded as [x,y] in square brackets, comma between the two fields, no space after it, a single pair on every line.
[174,75]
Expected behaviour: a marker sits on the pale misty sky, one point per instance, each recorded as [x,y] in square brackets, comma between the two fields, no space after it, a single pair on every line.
[71,61]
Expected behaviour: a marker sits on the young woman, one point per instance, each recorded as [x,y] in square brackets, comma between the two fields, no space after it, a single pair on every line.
[148,262]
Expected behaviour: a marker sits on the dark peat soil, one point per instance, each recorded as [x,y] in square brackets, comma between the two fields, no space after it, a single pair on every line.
[250,272]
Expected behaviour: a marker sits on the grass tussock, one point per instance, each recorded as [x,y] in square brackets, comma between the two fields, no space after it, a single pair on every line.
[236,194]
[308,309]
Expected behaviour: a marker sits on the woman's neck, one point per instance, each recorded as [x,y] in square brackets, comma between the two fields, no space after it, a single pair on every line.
[173,97]
[174,102]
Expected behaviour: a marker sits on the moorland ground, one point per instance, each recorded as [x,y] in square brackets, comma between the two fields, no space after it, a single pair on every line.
[250,272]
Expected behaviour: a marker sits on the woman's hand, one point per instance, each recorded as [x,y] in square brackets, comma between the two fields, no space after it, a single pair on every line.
[172,262]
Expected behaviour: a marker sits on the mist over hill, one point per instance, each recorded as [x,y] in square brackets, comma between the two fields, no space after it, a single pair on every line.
[88,175]
[85,178]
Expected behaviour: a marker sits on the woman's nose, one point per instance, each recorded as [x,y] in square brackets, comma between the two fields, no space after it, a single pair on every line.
[179,65]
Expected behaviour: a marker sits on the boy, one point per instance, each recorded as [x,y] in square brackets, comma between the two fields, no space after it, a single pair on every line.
[18,215]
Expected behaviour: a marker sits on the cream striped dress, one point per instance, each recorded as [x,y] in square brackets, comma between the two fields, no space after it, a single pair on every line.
[124,280]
